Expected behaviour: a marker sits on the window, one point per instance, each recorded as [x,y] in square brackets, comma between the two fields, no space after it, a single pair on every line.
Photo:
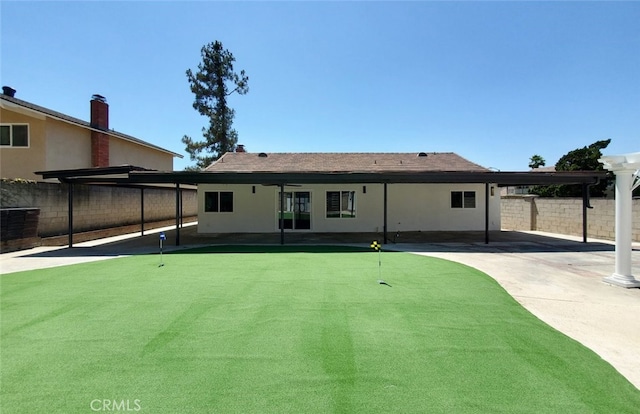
[221,202]
[463,199]
[14,135]
[226,201]
[341,204]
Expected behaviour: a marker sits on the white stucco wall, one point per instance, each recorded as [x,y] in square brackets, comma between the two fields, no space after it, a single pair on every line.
[410,207]
[427,207]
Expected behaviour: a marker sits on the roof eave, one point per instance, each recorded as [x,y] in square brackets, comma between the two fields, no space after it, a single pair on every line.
[94,173]
[278,178]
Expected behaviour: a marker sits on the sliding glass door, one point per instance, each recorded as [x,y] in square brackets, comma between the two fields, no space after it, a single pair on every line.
[297,210]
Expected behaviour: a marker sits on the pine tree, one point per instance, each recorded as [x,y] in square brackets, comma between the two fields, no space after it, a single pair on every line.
[214,81]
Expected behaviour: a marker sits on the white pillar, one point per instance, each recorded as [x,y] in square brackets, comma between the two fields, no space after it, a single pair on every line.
[624,167]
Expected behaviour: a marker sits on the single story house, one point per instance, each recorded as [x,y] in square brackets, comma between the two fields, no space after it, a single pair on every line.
[348,204]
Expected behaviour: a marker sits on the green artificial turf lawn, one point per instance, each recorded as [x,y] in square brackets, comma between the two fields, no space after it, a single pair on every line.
[287,332]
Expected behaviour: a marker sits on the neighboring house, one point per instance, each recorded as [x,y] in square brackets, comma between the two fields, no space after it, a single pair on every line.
[323,197]
[33,138]
[524,189]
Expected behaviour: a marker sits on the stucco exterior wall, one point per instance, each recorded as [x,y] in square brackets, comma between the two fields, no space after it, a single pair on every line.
[410,207]
[427,207]
[124,152]
[22,162]
[564,216]
[252,212]
[59,145]
[67,147]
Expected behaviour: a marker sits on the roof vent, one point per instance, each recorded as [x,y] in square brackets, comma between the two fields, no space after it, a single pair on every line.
[9,91]
[422,154]
[262,155]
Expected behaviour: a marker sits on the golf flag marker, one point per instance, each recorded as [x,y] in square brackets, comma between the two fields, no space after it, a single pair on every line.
[162,237]
[377,246]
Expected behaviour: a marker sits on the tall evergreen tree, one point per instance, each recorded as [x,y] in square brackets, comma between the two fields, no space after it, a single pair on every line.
[214,81]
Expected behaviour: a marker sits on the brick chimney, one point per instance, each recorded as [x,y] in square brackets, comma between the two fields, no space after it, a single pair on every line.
[99,141]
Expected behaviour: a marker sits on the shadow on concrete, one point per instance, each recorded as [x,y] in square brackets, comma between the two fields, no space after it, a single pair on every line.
[459,242]
[548,245]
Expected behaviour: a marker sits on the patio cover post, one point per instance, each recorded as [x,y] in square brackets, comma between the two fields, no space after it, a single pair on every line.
[70,213]
[142,211]
[486,213]
[384,225]
[281,213]
[625,167]
[178,214]
[585,205]
[181,209]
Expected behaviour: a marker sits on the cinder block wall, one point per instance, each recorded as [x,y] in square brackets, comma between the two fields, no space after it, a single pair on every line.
[94,207]
[564,216]
[516,212]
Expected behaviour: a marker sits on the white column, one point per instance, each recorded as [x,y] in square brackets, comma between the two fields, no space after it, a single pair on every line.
[624,167]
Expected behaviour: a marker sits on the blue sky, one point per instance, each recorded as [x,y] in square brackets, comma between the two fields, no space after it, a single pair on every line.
[495,82]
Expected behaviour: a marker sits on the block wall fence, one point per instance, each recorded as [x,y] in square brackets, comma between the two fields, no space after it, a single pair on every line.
[95,207]
[564,216]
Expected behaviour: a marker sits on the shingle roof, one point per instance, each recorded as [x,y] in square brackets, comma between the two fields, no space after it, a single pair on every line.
[343,162]
[81,123]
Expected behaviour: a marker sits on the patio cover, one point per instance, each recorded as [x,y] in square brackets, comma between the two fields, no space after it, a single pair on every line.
[132,176]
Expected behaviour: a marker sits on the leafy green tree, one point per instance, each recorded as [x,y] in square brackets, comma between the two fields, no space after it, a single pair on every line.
[536,161]
[581,159]
[214,81]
